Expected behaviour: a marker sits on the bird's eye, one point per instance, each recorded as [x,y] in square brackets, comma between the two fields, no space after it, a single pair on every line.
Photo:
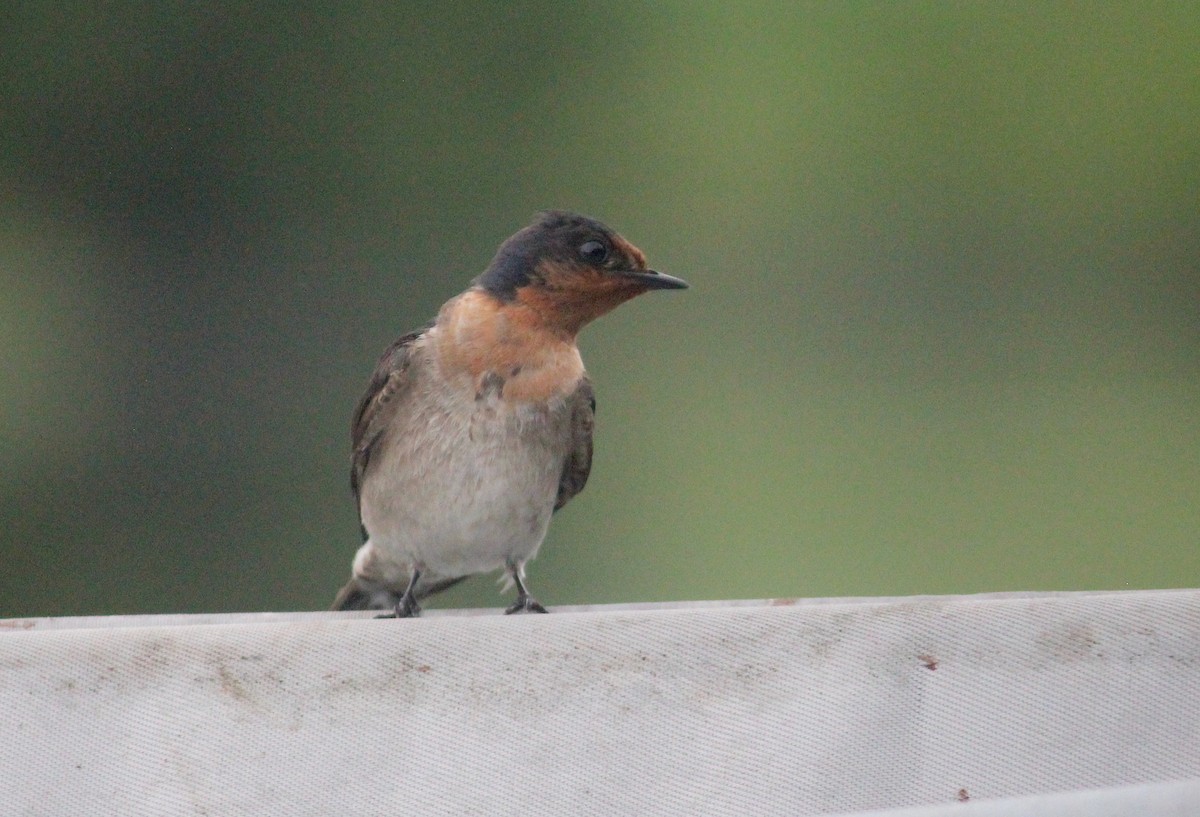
[594,252]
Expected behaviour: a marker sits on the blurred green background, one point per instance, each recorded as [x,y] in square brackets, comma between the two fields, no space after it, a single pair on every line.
[943,335]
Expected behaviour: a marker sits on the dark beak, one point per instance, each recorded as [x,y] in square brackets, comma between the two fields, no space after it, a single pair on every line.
[651,279]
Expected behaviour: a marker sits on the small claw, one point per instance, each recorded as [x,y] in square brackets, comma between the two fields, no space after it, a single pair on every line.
[407,607]
[525,603]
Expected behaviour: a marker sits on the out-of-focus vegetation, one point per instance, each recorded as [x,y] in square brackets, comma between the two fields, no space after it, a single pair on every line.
[943,335]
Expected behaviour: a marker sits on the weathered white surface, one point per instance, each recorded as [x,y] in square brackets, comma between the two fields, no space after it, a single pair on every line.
[1180,799]
[747,708]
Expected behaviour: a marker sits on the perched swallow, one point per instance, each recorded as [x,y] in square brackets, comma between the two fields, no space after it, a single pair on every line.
[475,429]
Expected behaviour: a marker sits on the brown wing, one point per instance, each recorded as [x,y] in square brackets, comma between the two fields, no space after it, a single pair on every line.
[377,407]
[579,457]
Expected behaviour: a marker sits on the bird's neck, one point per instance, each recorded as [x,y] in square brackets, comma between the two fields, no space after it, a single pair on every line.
[506,345]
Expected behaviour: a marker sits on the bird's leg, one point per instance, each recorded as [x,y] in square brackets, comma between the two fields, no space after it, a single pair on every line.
[407,607]
[525,603]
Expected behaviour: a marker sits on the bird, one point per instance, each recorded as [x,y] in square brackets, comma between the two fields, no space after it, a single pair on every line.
[476,428]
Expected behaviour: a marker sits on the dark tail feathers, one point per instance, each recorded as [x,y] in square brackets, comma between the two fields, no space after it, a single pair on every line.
[362,594]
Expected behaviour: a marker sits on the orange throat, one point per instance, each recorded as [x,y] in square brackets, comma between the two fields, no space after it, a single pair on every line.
[509,348]
[573,298]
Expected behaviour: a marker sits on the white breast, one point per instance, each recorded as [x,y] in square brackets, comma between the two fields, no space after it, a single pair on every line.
[463,485]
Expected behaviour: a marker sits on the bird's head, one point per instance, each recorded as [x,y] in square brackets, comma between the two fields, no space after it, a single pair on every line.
[568,270]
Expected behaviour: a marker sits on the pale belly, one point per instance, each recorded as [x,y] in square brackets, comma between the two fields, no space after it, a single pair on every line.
[470,489]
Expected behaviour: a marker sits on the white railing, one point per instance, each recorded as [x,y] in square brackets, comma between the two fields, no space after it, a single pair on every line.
[784,707]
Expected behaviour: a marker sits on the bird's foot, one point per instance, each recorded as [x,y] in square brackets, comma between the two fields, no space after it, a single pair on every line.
[525,603]
[407,607]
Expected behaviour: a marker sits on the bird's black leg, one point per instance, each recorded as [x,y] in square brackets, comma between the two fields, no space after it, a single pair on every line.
[407,607]
[525,603]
